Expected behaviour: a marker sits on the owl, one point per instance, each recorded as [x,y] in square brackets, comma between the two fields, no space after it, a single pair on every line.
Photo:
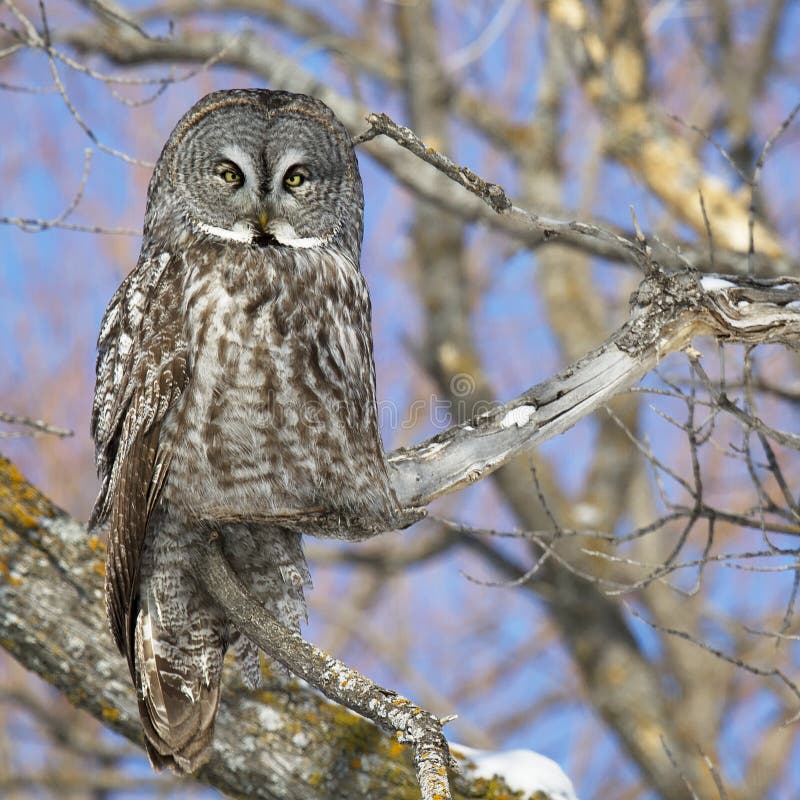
[235,385]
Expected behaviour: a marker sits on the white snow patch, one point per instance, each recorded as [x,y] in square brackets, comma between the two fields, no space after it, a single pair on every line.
[742,304]
[711,283]
[519,416]
[523,770]
[794,305]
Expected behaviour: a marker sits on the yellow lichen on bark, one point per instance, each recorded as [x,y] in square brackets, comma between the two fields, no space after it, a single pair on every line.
[109,713]
[21,505]
[6,574]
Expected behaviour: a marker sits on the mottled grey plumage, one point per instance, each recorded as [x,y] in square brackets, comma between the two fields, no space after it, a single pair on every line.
[235,382]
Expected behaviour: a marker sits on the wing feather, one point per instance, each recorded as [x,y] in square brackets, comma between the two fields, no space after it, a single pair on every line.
[142,370]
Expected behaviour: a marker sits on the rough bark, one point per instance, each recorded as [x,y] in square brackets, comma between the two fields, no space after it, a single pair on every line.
[283,742]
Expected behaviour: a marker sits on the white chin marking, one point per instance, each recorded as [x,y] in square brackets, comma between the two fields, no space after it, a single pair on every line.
[309,241]
[285,234]
[239,233]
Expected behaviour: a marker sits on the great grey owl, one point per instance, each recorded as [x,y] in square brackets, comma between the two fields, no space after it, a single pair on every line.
[235,383]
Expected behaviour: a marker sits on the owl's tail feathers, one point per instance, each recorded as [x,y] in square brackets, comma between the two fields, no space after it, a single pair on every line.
[177,709]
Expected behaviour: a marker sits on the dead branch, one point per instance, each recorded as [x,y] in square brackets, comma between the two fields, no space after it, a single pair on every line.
[667,313]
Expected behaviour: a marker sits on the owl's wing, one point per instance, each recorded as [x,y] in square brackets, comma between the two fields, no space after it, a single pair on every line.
[142,369]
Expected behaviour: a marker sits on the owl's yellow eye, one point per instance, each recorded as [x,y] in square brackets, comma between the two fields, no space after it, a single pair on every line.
[294,180]
[229,173]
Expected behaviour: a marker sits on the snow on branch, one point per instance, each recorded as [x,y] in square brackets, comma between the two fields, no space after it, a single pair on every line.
[523,770]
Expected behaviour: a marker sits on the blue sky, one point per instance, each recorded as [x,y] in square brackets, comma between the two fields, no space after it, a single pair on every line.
[54,286]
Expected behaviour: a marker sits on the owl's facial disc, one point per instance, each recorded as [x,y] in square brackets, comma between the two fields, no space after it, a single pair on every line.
[286,178]
[268,199]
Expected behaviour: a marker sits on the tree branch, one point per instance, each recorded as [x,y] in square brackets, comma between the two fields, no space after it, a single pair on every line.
[667,313]
[284,742]
[50,570]
[335,679]
[249,51]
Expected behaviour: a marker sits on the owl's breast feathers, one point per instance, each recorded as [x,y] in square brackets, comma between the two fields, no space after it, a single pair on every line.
[238,385]
[280,415]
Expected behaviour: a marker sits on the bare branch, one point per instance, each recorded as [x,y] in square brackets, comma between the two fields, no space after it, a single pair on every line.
[31,225]
[667,314]
[338,681]
[382,124]
[35,426]
[738,662]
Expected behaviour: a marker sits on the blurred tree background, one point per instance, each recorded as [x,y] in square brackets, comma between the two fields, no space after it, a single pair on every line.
[643,634]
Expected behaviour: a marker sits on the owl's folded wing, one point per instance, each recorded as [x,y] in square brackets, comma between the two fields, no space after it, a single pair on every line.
[142,369]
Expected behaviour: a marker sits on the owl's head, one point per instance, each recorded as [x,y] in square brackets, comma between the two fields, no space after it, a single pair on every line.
[258,167]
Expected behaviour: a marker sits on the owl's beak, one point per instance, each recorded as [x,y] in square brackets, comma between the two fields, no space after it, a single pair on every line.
[263,219]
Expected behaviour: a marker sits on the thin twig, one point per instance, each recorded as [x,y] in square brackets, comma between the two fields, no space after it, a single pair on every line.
[687,783]
[37,425]
[756,180]
[492,194]
[709,234]
[32,225]
[45,44]
[738,662]
[382,124]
